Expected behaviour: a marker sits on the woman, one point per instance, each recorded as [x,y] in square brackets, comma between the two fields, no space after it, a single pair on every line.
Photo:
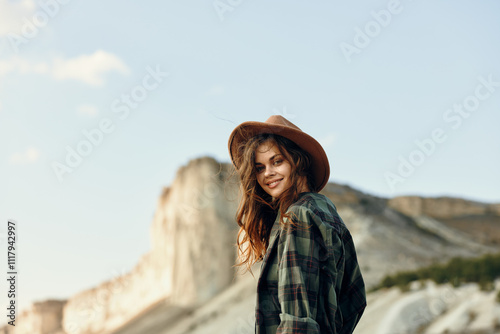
[310,280]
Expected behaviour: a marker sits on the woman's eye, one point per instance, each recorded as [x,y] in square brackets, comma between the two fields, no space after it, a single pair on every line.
[277,162]
[259,169]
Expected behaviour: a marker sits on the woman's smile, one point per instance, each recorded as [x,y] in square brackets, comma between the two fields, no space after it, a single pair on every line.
[273,184]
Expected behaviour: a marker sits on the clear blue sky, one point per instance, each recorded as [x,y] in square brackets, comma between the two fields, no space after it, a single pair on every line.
[406,90]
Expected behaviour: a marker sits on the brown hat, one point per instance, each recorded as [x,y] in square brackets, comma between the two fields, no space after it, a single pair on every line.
[279,125]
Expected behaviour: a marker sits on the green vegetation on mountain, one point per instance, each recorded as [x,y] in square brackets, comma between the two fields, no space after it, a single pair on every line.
[483,270]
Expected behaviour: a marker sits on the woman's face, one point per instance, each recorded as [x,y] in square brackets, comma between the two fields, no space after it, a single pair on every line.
[273,171]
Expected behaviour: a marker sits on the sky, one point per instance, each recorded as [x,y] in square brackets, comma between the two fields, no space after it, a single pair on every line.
[102,102]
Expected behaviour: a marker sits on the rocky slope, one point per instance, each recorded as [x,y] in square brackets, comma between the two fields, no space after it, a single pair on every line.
[182,286]
[430,309]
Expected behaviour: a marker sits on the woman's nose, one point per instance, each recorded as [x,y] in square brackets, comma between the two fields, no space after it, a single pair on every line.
[269,171]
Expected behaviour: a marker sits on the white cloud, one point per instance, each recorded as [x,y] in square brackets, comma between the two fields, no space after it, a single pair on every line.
[87,109]
[90,69]
[215,90]
[23,66]
[13,13]
[27,157]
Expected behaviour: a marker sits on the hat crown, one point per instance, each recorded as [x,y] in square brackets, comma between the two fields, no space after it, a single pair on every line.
[280,120]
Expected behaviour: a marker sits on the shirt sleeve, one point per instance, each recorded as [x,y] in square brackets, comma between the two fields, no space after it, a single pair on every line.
[299,249]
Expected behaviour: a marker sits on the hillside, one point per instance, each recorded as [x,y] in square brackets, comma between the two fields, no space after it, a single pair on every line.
[181,286]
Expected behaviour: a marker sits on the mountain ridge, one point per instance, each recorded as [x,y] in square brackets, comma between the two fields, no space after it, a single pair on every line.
[178,274]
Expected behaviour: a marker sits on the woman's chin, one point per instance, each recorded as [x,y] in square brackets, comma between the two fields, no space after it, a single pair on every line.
[276,194]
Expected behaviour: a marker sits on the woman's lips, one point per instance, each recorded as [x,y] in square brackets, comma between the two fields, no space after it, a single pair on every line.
[274,183]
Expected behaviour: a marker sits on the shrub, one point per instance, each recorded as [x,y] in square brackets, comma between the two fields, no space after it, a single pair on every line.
[483,270]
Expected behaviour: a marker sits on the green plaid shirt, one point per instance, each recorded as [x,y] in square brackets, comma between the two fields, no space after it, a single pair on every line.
[310,281]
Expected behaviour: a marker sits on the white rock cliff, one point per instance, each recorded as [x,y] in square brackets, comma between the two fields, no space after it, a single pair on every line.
[186,282]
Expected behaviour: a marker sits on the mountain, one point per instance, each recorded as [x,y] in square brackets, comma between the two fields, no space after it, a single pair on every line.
[186,283]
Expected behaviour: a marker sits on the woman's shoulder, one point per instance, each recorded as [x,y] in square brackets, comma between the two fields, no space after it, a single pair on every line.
[312,201]
[316,208]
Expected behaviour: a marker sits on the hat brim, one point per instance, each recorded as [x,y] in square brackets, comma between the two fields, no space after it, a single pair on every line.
[320,166]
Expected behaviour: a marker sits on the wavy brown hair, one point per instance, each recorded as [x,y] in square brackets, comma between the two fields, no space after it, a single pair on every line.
[257,210]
